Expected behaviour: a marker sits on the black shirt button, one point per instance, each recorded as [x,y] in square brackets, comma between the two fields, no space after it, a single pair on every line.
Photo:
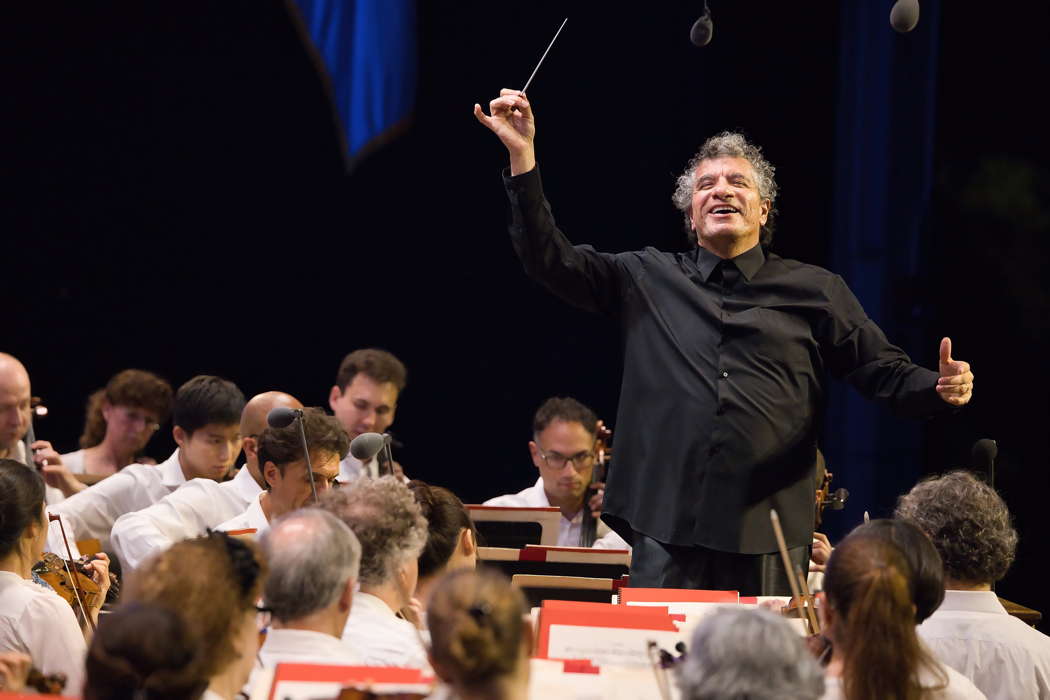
[724,374]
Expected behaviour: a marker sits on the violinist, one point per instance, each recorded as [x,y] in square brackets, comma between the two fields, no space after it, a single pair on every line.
[16,421]
[207,416]
[288,483]
[200,503]
[364,399]
[33,619]
[121,419]
[563,451]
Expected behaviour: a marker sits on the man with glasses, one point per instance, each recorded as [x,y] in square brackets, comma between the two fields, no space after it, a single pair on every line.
[562,449]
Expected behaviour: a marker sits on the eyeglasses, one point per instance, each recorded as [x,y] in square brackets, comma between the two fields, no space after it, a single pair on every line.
[554,460]
[264,616]
[134,417]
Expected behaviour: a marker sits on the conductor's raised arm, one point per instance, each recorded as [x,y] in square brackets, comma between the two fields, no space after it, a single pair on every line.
[510,118]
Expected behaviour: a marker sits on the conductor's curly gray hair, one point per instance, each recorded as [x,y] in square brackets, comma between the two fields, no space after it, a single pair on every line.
[728,144]
[968,523]
[743,654]
[387,520]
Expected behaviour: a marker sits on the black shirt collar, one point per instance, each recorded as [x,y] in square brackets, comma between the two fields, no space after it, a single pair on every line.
[748,262]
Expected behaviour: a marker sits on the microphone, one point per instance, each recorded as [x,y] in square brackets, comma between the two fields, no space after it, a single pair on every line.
[702,29]
[983,457]
[904,15]
[367,445]
[282,416]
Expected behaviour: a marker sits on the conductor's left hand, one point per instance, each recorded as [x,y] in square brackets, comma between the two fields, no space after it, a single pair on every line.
[955,384]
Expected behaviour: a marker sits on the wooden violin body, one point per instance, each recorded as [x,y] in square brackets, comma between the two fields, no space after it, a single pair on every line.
[53,569]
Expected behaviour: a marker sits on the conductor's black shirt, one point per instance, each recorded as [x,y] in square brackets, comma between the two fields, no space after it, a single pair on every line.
[723,379]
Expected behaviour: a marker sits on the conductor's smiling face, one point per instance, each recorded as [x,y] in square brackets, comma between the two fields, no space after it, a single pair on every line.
[726,201]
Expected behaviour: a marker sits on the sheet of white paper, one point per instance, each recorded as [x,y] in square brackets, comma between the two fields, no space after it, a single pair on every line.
[607,646]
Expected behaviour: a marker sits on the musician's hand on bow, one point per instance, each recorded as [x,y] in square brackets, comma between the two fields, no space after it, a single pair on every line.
[55,473]
[14,670]
[955,384]
[818,558]
[596,501]
[510,118]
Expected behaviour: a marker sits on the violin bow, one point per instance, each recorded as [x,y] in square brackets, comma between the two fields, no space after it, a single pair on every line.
[788,568]
[65,562]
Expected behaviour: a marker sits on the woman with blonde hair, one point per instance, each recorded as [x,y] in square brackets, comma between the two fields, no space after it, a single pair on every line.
[869,618]
[480,639]
[211,585]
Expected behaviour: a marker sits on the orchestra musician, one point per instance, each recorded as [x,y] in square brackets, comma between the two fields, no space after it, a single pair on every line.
[725,353]
[33,619]
[200,504]
[206,416]
[364,399]
[562,448]
[288,484]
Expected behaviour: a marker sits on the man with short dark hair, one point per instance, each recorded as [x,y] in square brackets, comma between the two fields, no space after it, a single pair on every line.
[562,450]
[200,504]
[364,399]
[288,484]
[206,416]
[971,631]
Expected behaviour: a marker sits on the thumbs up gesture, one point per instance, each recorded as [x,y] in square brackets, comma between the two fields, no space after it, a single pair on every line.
[956,381]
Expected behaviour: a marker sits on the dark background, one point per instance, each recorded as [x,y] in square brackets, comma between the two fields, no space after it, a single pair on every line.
[175,200]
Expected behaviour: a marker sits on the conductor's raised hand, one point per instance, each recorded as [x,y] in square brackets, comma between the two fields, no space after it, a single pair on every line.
[955,384]
[510,118]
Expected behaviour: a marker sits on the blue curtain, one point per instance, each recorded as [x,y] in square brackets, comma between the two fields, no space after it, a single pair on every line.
[369,50]
[883,183]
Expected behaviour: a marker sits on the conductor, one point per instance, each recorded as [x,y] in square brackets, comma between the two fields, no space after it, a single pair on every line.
[726,352]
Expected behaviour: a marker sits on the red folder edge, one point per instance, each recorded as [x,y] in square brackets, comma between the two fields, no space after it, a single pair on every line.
[610,618]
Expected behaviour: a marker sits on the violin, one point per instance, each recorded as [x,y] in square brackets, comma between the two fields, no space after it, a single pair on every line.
[603,453]
[46,683]
[825,497]
[53,570]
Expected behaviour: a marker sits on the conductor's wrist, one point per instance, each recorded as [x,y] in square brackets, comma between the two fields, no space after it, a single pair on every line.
[522,161]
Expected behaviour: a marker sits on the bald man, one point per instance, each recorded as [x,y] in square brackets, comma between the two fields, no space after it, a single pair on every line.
[199,503]
[15,417]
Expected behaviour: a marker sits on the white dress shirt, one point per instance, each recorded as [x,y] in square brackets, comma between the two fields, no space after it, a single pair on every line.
[253,518]
[284,646]
[35,621]
[1004,657]
[90,514]
[959,687]
[378,637]
[352,469]
[186,512]
[569,531]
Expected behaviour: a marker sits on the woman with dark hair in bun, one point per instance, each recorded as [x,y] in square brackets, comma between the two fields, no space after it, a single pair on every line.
[34,620]
[452,541]
[480,639]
